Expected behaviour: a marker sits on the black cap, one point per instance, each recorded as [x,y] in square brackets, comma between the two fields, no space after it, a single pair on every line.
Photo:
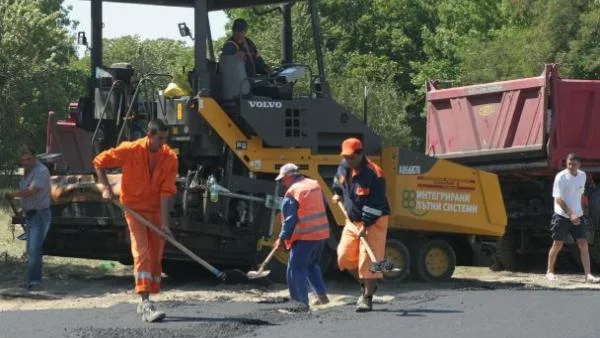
[239,25]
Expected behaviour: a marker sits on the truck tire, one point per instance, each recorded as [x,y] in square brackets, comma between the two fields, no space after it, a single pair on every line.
[435,261]
[505,257]
[396,253]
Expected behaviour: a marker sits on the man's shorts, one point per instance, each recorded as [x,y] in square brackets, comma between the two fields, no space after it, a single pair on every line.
[561,227]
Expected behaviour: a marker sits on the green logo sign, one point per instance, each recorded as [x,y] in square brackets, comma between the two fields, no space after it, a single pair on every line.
[409,202]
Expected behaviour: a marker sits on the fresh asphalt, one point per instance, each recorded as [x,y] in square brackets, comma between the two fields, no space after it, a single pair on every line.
[465,312]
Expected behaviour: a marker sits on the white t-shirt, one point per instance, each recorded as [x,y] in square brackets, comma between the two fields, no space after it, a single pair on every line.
[570,188]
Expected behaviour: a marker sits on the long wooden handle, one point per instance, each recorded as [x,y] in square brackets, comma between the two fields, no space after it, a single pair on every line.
[268,259]
[362,239]
[219,274]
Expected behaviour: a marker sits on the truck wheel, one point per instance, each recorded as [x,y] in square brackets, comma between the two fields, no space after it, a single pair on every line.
[397,254]
[435,261]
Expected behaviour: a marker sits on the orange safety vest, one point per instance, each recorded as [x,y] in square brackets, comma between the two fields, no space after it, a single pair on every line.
[312,218]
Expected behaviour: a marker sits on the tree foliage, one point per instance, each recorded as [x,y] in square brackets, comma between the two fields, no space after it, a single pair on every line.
[390,46]
[35,72]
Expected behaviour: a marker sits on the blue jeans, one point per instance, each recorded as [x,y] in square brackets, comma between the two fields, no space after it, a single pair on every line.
[303,268]
[37,229]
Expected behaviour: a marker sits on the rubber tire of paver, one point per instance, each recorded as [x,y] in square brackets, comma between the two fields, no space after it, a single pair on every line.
[397,253]
[420,266]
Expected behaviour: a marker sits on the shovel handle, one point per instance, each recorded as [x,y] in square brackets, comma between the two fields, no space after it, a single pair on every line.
[362,239]
[219,274]
[268,259]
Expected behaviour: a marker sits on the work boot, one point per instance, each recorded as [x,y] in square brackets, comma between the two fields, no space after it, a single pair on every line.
[321,300]
[150,314]
[362,294]
[365,305]
[140,306]
[294,307]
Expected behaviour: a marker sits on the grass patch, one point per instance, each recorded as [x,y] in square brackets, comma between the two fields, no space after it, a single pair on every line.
[13,261]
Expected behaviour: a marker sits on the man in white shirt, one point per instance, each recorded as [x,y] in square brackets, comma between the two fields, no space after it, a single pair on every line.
[569,216]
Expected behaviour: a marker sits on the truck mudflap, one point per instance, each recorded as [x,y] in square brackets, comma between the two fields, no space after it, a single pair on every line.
[429,194]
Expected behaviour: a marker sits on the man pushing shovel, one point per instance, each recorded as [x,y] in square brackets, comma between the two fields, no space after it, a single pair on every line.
[148,182]
[304,231]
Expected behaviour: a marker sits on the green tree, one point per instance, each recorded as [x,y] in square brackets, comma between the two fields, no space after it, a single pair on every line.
[159,56]
[35,76]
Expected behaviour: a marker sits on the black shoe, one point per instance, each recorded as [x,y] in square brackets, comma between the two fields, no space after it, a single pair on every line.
[31,286]
[295,307]
[365,305]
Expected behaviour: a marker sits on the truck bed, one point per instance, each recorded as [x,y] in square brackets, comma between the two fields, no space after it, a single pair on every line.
[518,124]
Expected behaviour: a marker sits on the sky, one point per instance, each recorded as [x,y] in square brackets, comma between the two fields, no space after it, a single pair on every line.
[149,22]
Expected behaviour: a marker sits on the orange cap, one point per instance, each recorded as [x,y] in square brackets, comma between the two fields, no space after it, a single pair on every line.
[350,146]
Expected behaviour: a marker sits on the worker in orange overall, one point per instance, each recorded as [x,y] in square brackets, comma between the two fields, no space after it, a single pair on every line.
[361,185]
[149,171]
[304,232]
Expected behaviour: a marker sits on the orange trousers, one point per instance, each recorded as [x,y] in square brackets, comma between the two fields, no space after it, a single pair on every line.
[147,249]
[352,254]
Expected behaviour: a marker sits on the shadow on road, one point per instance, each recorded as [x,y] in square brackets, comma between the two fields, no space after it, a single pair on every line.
[242,321]
[417,312]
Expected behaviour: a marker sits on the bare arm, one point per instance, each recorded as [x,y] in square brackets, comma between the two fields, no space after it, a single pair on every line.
[27,192]
[572,216]
[563,205]
[103,179]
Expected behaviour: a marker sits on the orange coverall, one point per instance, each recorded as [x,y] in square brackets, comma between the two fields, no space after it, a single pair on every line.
[146,178]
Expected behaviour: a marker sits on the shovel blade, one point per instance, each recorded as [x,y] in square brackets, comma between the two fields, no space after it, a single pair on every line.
[258,274]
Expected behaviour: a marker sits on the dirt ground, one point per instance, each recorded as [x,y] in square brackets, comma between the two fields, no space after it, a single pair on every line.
[78,283]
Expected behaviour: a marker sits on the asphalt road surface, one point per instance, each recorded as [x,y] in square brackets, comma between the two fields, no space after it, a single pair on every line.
[461,312]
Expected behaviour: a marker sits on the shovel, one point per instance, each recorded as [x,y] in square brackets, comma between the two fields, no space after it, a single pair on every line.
[218,273]
[383,266]
[260,273]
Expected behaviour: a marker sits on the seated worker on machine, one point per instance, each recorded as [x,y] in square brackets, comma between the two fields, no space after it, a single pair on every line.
[239,44]
[245,49]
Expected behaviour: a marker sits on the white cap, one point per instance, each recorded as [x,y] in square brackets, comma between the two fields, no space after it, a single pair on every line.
[286,170]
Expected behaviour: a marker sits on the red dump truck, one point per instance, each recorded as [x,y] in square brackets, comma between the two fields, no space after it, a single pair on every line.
[522,130]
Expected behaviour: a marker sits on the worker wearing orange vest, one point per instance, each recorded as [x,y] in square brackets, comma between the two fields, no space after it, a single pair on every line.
[147,184]
[304,231]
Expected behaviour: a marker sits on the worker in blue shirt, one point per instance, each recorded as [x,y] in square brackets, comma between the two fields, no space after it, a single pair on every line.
[360,183]
[239,44]
[304,231]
